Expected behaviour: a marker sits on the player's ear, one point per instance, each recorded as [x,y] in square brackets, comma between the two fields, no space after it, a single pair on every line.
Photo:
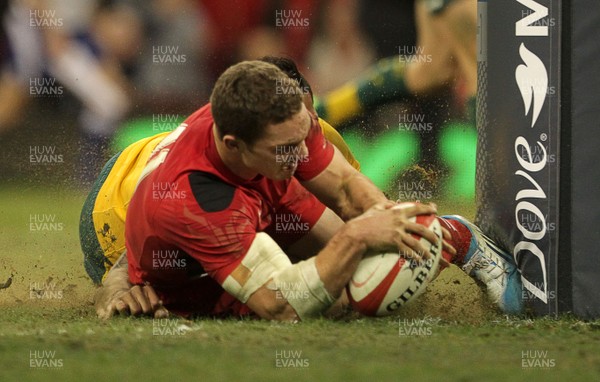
[232,143]
[308,102]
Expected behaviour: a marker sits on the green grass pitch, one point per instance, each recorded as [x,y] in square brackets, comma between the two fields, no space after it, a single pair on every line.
[49,332]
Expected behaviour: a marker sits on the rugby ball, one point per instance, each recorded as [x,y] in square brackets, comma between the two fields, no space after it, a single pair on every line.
[384,282]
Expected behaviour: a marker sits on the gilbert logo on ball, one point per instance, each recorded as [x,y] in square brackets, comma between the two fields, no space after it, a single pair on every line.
[383,282]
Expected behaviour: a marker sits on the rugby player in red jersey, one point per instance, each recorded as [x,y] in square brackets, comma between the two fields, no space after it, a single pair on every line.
[213,190]
[236,165]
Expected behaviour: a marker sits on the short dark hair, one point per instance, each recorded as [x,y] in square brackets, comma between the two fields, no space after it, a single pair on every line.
[246,98]
[289,67]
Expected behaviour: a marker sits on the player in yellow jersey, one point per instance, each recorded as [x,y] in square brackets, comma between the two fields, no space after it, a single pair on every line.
[102,222]
[445,51]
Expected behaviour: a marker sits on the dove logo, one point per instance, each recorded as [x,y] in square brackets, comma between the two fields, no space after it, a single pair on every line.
[532,80]
[530,25]
[532,76]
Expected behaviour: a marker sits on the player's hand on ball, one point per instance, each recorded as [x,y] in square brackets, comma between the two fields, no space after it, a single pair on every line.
[385,281]
[389,228]
[446,236]
[383,205]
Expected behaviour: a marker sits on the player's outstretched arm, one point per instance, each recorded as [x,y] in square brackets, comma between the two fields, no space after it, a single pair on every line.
[117,295]
[275,289]
[344,189]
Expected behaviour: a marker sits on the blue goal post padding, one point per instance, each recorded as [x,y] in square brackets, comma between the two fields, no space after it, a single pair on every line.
[538,162]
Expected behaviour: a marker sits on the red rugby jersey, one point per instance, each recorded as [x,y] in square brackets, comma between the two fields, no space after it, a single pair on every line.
[190,215]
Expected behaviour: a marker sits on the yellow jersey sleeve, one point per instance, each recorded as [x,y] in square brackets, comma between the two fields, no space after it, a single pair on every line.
[336,139]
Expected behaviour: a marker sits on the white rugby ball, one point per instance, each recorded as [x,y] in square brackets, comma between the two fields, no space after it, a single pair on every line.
[384,282]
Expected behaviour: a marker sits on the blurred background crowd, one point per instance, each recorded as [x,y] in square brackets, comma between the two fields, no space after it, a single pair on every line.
[73,73]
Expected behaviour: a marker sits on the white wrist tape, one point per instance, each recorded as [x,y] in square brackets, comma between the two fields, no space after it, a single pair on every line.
[299,284]
[303,289]
[263,259]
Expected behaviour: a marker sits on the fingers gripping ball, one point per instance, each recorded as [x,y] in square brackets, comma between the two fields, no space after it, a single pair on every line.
[384,282]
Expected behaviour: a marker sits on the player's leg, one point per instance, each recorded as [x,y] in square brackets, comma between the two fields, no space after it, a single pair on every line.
[447,32]
[392,78]
[436,66]
[383,82]
[395,78]
[488,264]
[460,18]
[462,24]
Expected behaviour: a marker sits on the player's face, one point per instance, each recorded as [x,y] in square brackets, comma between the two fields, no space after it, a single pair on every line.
[277,154]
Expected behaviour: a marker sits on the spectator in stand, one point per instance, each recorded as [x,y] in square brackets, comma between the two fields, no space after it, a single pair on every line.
[73,43]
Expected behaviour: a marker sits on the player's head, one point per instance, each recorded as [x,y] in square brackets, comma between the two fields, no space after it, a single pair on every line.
[259,114]
[289,67]
[250,95]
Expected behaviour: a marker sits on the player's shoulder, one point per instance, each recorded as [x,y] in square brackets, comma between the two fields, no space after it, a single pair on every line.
[212,193]
[200,116]
[320,152]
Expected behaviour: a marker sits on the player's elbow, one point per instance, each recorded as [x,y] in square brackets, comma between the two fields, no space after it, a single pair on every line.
[270,306]
[280,311]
